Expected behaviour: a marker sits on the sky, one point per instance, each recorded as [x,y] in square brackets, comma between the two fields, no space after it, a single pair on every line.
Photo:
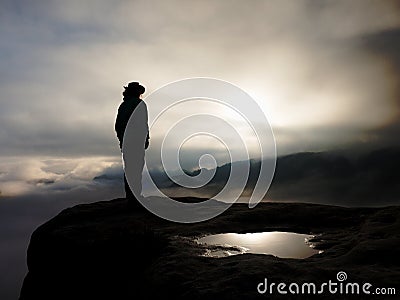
[325,73]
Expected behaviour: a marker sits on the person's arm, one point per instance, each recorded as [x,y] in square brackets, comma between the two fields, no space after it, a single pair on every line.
[120,125]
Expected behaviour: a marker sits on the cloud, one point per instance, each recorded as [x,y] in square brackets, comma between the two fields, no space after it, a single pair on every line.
[63,68]
[50,176]
[326,74]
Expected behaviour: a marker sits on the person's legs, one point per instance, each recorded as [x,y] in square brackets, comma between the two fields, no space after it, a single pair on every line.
[133,203]
[128,191]
[134,191]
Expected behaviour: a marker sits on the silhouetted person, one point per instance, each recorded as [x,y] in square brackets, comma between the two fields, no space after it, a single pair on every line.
[132,102]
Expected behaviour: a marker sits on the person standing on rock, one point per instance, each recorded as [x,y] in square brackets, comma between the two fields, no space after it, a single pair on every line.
[132,103]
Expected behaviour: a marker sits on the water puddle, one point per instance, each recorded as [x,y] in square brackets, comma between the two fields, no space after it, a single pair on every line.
[280,244]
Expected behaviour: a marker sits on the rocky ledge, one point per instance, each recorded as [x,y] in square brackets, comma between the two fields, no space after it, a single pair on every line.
[104,250]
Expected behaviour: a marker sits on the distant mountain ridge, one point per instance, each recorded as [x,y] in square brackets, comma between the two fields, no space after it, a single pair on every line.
[369,179]
[321,177]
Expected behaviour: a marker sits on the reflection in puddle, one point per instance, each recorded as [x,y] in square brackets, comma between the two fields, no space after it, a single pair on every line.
[280,244]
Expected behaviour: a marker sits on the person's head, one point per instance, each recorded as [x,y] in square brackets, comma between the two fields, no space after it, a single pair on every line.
[133,89]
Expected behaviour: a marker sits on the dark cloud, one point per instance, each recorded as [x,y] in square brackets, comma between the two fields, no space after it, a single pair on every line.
[385,46]
[111,175]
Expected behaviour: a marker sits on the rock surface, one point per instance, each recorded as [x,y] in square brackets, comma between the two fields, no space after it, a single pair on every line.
[104,250]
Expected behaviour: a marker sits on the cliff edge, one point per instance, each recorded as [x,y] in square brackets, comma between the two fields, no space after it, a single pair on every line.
[105,251]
